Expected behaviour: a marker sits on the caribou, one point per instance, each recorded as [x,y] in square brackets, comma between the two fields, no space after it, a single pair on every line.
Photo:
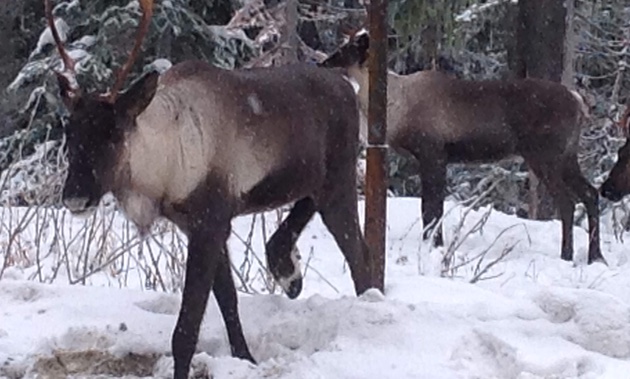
[618,183]
[199,145]
[439,119]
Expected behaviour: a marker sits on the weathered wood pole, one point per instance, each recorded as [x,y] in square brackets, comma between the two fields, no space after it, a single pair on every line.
[376,175]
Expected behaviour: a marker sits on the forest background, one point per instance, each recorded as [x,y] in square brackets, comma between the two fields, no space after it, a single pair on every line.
[582,43]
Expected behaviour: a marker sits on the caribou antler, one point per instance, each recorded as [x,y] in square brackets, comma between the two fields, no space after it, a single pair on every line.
[68,73]
[147,11]
[623,121]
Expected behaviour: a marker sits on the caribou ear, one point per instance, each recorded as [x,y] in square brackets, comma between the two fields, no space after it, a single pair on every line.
[135,100]
[624,122]
[363,46]
[353,53]
[363,40]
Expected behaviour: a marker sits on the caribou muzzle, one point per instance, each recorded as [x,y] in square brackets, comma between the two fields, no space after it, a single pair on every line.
[609,192]
[79,206]
[77,202]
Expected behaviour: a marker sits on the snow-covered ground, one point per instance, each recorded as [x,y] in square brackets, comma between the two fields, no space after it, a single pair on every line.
[530,315]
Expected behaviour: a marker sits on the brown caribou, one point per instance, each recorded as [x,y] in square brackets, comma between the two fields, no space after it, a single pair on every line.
[618,183]
[439,120]
[200,145]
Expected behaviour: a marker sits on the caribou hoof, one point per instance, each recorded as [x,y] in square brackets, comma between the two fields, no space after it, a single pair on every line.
[566,255]
[599,259]
[293,288]
[246,355]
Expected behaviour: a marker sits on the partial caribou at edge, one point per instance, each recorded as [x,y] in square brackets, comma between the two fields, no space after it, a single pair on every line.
[441,120]
[617,185]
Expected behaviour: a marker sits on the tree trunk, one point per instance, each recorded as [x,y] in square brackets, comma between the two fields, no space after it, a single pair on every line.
[568,71]
[290,34]
[511,18]
[541,31]
[430,37]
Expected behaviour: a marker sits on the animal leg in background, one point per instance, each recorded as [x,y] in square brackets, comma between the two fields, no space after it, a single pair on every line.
[586,193]
[433,180]
[550,174]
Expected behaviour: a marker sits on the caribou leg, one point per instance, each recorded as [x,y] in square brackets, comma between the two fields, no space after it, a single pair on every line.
[433,180]
[586,193]
[225,293]
[342,220]
[280,249]
[207,235]
[562,199]
[566,207]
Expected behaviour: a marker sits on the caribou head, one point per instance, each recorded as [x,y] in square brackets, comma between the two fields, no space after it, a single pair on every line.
[353,54]
[98,122]
[618,183]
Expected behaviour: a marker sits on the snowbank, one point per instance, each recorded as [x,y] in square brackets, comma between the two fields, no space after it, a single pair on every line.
[530,315]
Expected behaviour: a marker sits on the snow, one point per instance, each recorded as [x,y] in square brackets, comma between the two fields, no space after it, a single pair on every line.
[161,65]
[36,68]
[474,10]
[531,315]
[76,51]
[85,42]
[46,37]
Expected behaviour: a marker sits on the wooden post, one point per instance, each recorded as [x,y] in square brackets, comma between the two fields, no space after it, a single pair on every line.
[376,173]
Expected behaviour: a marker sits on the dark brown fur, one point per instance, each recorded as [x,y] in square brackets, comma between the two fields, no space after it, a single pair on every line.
[618,183]
[442,120]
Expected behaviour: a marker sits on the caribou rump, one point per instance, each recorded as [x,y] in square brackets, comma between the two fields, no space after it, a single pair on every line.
[200,145]
[439,120]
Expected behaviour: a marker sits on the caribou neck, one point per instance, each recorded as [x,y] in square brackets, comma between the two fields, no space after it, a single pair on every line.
[395,99]
[140,178]
[140,208]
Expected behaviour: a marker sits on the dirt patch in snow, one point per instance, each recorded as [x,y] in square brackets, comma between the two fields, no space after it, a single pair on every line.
[65,364]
